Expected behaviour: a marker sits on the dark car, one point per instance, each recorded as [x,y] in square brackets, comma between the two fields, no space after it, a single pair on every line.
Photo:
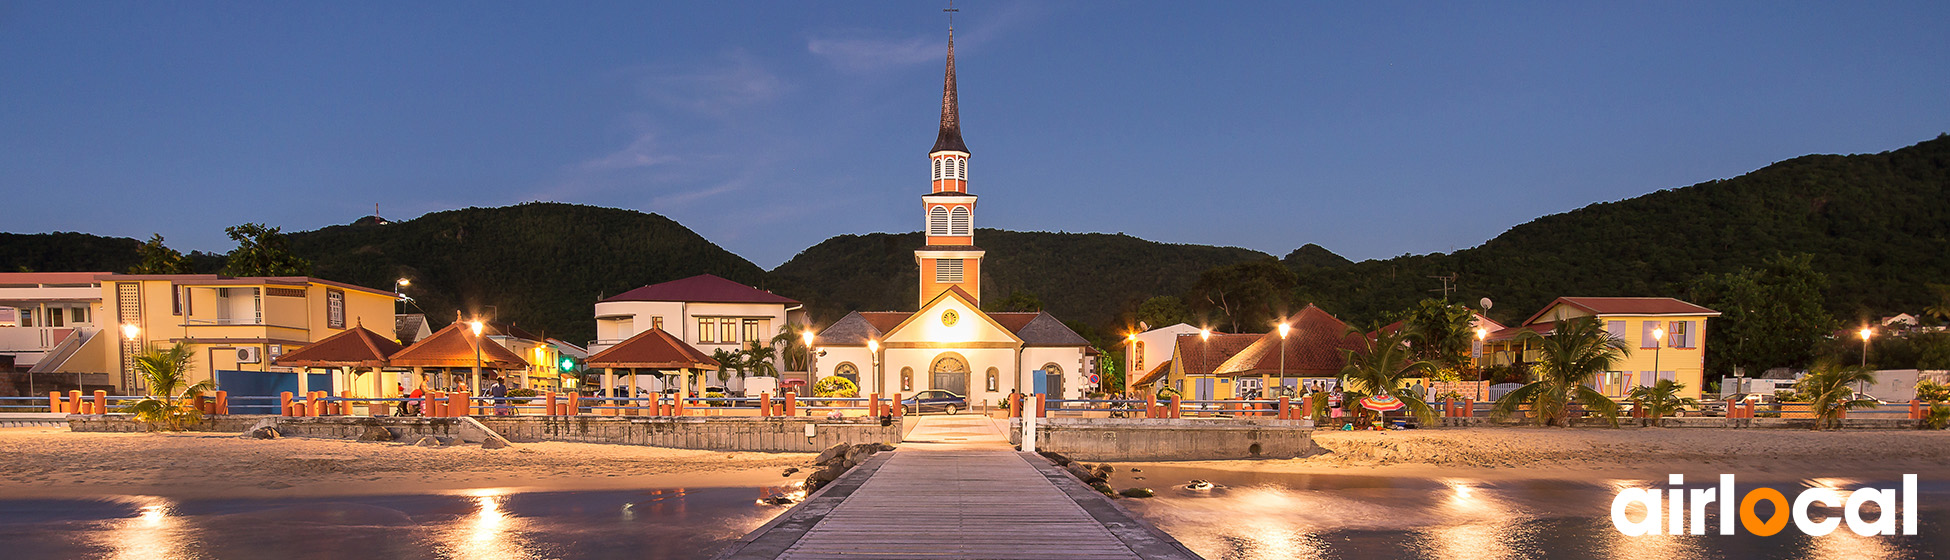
[936,399]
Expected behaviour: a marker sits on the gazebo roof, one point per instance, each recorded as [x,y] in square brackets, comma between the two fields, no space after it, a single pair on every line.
[454,347]
[652,349]
[356,347]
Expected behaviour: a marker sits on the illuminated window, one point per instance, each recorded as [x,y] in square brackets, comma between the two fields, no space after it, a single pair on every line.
[730,330]
[751,331]
[705,329]
[657,322]
[1137,362]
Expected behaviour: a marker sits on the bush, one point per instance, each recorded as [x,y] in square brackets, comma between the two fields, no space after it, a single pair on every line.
[835,386]
[521,392]
[1938,418]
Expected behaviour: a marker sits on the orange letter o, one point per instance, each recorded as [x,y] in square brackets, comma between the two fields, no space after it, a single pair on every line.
[1752,522]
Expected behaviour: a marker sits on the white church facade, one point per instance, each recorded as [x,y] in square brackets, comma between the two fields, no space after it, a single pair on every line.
[949,343]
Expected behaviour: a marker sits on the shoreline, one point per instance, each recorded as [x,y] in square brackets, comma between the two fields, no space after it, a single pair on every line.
[53,463]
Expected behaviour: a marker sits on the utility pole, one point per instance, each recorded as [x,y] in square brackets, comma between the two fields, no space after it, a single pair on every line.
[1448,285]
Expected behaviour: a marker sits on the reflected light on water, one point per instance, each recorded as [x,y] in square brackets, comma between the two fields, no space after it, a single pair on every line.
[1843,543]
[489,533]
[153,533]
[1484,526]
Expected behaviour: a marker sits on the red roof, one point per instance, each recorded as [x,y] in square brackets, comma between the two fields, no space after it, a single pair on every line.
[1157,372]
[703,288]
[1198,356]
[1627,306]
[455,347]
[1312,349]
[357,347]
[50,277]
[1513,332]
[653,349]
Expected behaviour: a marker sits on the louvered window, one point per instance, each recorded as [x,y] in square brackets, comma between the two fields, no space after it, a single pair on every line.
[947,271]
[961,169]
[939,167]
[938,221]
[959,223]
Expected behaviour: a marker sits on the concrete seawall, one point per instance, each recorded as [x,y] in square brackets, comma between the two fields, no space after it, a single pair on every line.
[1138,439]
[720,434]
[1703,422]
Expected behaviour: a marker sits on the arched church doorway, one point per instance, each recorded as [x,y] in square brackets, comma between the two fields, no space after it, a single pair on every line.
[950,373]
[1054,383]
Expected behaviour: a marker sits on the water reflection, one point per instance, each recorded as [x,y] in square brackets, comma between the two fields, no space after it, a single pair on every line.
[152,533]
[489,533]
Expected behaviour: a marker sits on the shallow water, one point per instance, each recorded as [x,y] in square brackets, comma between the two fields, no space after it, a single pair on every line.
[1252,516]
[479,524]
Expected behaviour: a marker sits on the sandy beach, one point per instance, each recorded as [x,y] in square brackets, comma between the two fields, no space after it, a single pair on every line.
[1508,453]
[53,462]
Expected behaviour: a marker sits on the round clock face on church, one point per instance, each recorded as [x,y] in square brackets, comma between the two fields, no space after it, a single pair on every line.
[950,317]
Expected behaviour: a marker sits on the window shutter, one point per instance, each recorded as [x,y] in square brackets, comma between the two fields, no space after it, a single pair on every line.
[1646,340]
[938,221]
[959,223]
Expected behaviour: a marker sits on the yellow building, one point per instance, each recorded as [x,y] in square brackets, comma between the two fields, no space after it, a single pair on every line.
[231,324]
[1666,337]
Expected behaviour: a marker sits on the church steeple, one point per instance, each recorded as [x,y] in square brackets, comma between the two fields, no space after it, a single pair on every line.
[950,259]
[949,140]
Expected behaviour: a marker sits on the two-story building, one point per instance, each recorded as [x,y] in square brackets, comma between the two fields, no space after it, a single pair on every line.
[705,311]
[51,327]
[1666,338]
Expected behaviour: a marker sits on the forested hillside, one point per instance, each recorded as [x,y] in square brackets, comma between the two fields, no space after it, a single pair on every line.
[1878,226]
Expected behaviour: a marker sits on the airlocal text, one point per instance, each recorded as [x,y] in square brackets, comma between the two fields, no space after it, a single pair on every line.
[1678,504]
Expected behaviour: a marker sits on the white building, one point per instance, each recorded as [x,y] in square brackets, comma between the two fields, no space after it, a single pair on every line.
[950,343]
[705,311]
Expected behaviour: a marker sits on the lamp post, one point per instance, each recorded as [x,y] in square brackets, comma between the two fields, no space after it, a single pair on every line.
[129,333]
[1866,332]
[1658,341]
[399,294]
[873,352]
[476,387]
[1482,351]
[1284,329]
[1130,363]
[807,337]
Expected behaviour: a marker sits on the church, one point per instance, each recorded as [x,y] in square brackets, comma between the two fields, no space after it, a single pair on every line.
[949,343]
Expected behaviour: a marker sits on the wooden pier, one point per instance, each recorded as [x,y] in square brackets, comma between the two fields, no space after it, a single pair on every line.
[955,490]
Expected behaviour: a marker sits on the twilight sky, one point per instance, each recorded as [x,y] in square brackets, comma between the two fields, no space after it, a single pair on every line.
[1371,128]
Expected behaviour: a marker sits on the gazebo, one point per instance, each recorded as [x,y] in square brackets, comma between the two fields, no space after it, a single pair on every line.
[655,350]
[349,352]
[457,348]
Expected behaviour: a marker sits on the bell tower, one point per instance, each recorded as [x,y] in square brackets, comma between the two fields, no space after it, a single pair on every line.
[950,258]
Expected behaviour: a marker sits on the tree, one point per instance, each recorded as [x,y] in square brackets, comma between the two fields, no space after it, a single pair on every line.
[1110,367]
[795,348]
[759,359]
[1829,389]
[1941,308]
[159,259]
[262,251]
[1575,352]
[1441,331]
[167,374]
[1662,399]
[1248,295]
[1018,301]
[1381,366]
[1769,317]
[1163,311]
[728,362]
[1931,391]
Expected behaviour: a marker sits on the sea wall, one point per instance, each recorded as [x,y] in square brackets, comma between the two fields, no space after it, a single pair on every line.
[1703,422]
[686,432]
[1189,439]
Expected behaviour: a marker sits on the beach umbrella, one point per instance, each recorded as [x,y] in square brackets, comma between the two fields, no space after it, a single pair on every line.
[1382,403]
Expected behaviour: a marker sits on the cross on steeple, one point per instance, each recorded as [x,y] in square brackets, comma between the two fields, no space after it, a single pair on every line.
[951,18]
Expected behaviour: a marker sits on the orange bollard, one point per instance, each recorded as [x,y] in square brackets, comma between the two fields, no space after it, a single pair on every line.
[1015,405]
[549,408]
[1468,407]
[899,410]
[74,400]
[460,403]
[1915,409]
[1151,405]
[1285,413]
[101,401]
[298,409]
[284,403]
[200,404]
[574,405]
[223,403]
[1042,410]
[765,404]
[677,405]
[873,404]
[54,404]
[345,407]
[791,404]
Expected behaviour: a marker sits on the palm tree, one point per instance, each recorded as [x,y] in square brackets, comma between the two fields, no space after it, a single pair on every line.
[728,361]
[1662,399]
[167,374]
[1941,309]
[1381,367]
[759,359]
[1576,351]
[794,345]
[1827,389]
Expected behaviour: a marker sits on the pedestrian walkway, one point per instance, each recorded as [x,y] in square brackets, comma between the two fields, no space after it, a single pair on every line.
[957,490]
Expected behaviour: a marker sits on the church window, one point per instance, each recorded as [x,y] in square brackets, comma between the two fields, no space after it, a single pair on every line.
[848,371]
[938,221]
[947,271]
[1137,361]
[958,223]
[940,165]
[961,169]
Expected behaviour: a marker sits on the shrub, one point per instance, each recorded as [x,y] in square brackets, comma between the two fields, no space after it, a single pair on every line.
[1938,418]
[521,392]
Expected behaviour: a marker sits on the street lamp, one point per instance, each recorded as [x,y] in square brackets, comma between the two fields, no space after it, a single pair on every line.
[476,327]
[129,333]
[1658,341]
[1866,333]
[1482,351]
[1284,329]
[873,350]
[807,337]
[399,293]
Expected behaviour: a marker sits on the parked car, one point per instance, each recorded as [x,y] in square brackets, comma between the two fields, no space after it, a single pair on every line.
[935,399]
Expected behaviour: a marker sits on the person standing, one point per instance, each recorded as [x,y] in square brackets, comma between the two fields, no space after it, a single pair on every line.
[500,393]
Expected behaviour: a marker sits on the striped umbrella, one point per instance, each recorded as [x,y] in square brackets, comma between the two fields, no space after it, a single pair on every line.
[1382,403]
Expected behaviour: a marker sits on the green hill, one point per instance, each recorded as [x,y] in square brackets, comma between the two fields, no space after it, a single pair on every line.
[1878,226]
[541,265]
[66,252]
[1086,277]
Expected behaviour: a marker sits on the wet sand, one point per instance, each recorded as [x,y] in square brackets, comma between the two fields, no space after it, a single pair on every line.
[56,463]
[1511,453]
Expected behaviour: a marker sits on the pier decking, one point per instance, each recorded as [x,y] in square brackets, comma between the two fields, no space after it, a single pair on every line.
[955,490]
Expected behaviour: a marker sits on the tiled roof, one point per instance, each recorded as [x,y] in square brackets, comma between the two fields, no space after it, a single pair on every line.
[406,326]
[1200,356]
[703,288]
[1157,372]
[1627,306]
[856,328]
[454,347]
[1313,348]
[653,349]
[1513,332]
[1044,330]
[355,347]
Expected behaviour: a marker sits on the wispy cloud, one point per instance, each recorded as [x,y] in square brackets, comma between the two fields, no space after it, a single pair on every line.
[681,199]
[712,87]
[642,152]
[865,54]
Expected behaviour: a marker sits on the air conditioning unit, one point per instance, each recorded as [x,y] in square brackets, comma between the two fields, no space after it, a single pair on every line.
[250,355]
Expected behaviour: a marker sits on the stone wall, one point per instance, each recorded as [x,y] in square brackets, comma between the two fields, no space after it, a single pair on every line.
[1142,439]
[721,434]
[1702,422]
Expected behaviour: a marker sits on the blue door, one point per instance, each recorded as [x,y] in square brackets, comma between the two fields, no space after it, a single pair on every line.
[264,384]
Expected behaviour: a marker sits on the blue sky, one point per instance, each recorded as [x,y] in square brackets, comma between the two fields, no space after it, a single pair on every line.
[1371,128]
